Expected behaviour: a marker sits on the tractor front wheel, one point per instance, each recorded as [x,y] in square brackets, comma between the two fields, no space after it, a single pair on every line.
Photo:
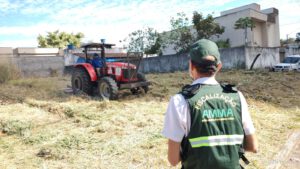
[81,81]
[108,89]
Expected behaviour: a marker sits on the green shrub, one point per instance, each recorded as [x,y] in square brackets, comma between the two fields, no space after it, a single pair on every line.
[223,43]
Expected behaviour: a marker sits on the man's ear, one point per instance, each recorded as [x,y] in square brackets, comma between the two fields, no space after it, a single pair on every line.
[191,65]
[219,67]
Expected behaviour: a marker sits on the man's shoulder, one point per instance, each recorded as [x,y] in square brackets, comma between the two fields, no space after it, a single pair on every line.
[177,102]
[177,99]
[189,91]
[229,87]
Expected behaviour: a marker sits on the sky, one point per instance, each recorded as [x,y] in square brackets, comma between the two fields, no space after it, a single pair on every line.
[21,21]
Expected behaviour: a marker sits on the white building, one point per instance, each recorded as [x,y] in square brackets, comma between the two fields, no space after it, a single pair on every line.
[265,33]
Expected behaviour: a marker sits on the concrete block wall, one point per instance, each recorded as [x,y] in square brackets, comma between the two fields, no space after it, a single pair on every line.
[40,66]
[37,51]
[34,61]
[163,64]
[232,58]
[50,62]
[268,58]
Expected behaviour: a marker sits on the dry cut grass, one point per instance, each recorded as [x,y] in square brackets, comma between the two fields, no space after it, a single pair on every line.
[42,127]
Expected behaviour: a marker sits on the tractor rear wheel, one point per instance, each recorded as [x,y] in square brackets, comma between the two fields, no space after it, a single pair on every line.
[81,81]
[141,77]
[108,89]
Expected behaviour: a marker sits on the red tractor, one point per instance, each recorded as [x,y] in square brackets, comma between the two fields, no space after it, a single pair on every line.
[112,75]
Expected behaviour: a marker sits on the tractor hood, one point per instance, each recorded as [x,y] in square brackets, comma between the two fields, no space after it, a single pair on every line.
[121,65]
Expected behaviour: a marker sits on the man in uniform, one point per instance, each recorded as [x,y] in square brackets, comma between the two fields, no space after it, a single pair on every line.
[208,124]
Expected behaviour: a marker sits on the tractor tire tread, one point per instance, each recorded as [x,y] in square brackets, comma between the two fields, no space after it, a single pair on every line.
[87,84]
[113,87]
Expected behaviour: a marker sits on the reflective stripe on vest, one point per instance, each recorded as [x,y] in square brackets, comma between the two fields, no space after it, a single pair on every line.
[209,141]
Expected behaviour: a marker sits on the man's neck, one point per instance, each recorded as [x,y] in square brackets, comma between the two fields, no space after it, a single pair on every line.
[198,76]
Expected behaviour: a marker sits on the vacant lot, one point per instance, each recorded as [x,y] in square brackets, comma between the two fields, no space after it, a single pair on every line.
[42,127]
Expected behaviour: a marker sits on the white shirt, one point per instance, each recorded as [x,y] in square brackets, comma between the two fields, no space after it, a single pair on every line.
[177,117]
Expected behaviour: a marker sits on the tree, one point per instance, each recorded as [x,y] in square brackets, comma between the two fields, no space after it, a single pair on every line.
[284,42]
[206,27]
[223,43]
[244,23]
[297,37]
[180,36]
[156,47]
[59,40]
[145,40]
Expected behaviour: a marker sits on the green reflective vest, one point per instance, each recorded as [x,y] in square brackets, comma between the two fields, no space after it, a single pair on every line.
[216,132]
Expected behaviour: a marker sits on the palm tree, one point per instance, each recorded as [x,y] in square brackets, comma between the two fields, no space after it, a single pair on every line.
[244,23]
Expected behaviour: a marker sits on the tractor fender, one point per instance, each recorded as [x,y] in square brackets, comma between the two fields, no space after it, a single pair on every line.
[90,69]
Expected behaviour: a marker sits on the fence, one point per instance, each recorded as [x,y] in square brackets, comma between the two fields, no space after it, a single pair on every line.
[46,61]
[34,61]
[167,63]
[237,58]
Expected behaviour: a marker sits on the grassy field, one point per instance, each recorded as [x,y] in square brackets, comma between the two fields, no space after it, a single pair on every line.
[42,127]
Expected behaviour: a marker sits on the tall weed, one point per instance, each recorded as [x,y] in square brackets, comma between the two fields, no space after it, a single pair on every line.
[8,72]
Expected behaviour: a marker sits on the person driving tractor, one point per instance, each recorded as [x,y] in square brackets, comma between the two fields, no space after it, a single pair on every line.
[97,63]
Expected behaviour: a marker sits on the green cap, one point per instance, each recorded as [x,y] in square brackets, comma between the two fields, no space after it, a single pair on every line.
[203,48]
